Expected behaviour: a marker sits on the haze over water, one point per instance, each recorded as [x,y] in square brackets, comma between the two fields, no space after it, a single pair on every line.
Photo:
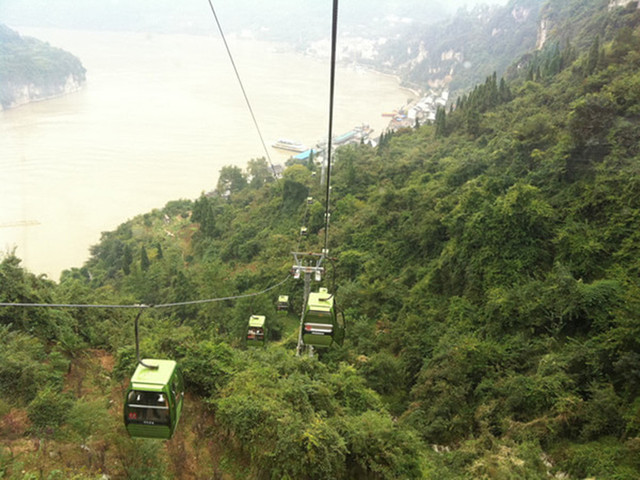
[160,115]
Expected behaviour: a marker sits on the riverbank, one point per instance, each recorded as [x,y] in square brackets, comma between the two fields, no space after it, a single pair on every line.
[159,116]
[18,96]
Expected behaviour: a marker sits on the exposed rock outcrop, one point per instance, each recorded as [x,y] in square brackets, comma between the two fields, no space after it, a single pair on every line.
[543,31]
[621,3]
[17,95]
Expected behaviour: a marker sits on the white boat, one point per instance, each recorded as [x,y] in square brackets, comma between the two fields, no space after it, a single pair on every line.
[292,145]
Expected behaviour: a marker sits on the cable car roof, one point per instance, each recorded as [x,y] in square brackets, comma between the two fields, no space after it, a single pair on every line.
[322,300]
[256,320]
[147,378]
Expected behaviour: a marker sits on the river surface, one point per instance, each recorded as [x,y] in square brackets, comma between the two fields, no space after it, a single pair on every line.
[159,116]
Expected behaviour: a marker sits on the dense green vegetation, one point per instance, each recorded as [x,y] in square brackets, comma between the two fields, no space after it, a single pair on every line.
[487,266]
[36,65]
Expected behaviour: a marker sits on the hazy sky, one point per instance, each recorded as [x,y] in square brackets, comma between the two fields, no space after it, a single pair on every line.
[474,2]
[159,15]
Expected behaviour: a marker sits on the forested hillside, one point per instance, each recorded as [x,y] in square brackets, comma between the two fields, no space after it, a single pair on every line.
[487,266]
[33,70]
[462,50]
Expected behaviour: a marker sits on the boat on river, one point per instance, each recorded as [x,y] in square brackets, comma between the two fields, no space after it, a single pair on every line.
[291,145]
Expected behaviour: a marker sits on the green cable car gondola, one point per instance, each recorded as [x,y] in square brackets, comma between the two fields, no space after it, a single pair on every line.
[153,401]
[282,307]
[256,331]
[322,327]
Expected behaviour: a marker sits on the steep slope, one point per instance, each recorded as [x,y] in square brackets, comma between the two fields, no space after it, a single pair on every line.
[487,266]
[463,50]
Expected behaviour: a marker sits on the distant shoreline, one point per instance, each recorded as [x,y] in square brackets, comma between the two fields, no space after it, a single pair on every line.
[148,128]
[17,104]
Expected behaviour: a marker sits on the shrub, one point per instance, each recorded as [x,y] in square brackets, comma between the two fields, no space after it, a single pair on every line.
[49,409]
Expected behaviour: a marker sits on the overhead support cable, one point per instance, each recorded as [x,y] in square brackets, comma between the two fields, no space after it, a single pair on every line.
[143,306]
[332,81]
[244,92]
[220,299]
[70,305]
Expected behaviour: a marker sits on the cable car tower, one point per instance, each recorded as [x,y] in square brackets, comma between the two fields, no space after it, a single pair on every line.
[307,265]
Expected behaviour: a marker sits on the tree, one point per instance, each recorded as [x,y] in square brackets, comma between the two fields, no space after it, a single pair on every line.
[592,58]
[127,258]
[472,119]
[183,290]
[144,259]
[504,91]
[346,167]
[259,172]
[441,122]
[312,158]
[590,120]
[231,180]
[203,213]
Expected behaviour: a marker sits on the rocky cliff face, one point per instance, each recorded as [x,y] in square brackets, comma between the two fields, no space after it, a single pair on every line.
[462,51]
[621,3]
[557,20]
[543,32]
[20,94]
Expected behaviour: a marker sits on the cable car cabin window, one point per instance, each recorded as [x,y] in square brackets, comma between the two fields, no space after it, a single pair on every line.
[283,303]
[319,316]
[148,408]
[255,334]
[318,328]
